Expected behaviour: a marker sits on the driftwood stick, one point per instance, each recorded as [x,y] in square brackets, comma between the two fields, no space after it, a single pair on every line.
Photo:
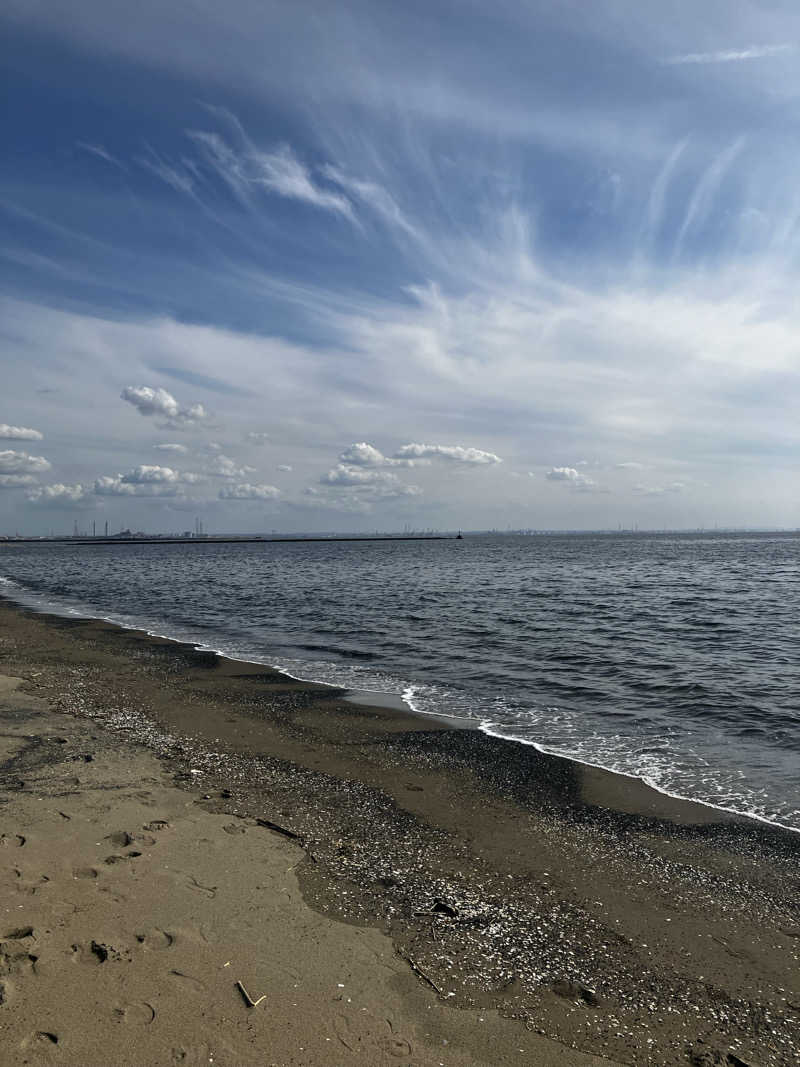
[247,998]
[269,825]
[419,971]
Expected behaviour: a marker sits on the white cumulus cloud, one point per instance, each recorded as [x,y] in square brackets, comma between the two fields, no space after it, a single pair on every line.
[362,454]
[16,481]
[59,495]
[224,467]
[342,474]
[12,462]
[574,479]
[149,401]
[115,485]
[19,433]
[456,453]
[562,474]
[246,491]
[180,450]
[257,437]
[148,474]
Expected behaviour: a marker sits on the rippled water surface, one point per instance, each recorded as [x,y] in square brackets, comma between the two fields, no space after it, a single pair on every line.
[673,658]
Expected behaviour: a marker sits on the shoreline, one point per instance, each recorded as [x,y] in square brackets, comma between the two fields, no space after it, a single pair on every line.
[399,703]
[599,913]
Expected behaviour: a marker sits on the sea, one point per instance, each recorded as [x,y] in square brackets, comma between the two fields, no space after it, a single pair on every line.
[673,658]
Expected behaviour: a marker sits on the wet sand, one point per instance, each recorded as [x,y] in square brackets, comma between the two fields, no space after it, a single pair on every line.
[494,904]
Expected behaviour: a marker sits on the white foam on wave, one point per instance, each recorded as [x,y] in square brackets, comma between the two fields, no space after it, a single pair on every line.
[491,730]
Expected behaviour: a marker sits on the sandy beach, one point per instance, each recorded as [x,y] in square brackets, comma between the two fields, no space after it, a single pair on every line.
[183,835]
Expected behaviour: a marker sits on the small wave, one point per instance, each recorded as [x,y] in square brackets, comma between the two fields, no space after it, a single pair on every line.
[652,778]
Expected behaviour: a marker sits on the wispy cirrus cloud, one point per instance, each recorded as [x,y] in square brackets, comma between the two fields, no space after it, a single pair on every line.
[248,170]
[101,153]
[733,55]
[702,198]
[178,177]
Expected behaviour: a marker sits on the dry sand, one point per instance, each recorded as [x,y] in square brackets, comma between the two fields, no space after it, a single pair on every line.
[550,906]
[130,914]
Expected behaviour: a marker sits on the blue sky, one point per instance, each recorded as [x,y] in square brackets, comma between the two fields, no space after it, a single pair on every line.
[538,262]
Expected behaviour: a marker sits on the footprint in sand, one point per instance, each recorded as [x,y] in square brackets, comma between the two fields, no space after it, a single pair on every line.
[202,1055]
[156,939]
[156,826]
[141,1014]
[120,838]
[132,855]
[85,873]
[28,887]
[209,891]
[15,959]
[97,953]
[41,1041]
[397,1047]
[15,955]
[188,982]
[12,840]
[19,933]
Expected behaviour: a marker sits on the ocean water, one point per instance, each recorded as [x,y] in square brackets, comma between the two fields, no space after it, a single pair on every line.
[673,658]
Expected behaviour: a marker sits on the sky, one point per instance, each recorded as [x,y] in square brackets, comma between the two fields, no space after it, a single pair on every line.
[369,265]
